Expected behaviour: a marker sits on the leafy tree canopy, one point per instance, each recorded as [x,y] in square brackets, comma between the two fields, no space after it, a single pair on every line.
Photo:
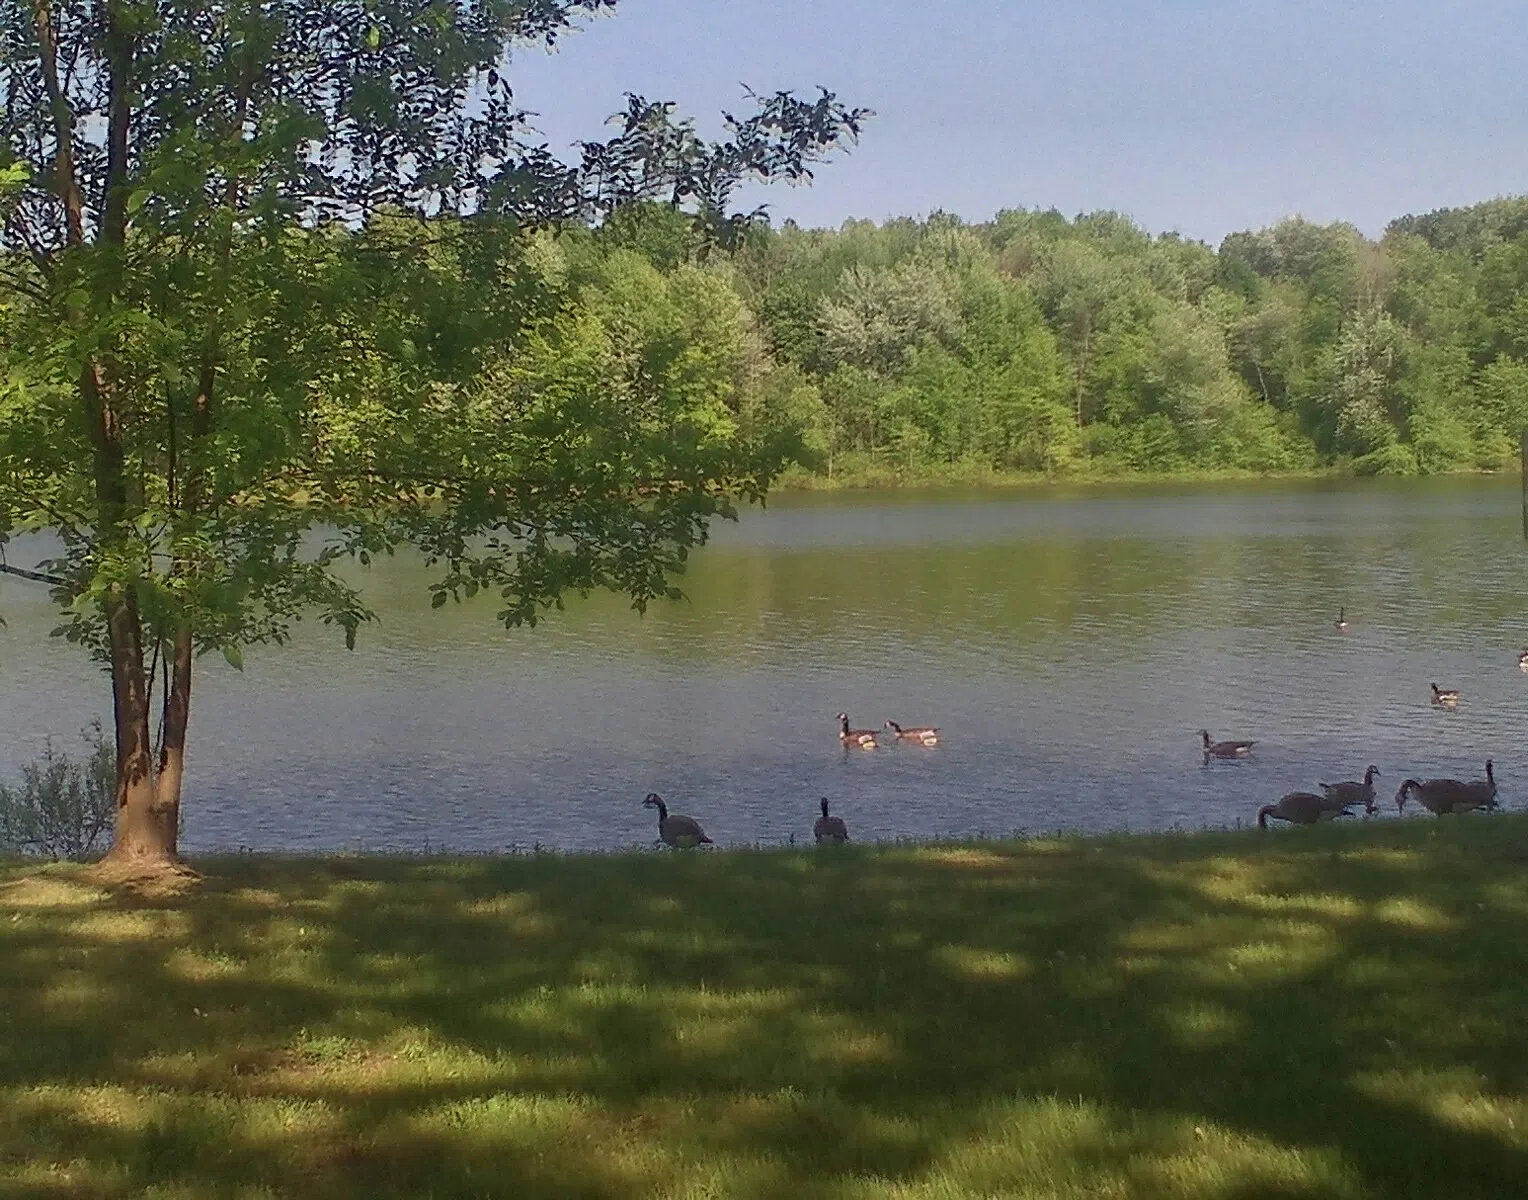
[286,281]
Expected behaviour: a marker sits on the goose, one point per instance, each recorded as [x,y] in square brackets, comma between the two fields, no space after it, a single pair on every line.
[1300,808]
[1349,791]
[1485,788]
[1522,659]
[1224,749]
[863,738]
[830,829]
[680,832]
[1445,697]
[1443,796]
[927,734]
[1341,623]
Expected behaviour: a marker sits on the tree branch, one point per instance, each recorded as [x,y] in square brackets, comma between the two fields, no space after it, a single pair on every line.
[35,576]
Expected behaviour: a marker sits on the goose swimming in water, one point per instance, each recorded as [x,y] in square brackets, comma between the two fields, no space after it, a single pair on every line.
[1227,749]
[1445,697]
[1341,623]
[865,739]
[927,734]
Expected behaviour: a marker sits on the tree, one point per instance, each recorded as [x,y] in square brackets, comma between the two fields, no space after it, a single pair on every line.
[274,267]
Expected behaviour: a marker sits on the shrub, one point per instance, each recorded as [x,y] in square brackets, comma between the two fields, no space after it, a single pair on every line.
[63,807]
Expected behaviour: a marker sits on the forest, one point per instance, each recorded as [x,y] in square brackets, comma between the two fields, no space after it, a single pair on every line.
[1034,344]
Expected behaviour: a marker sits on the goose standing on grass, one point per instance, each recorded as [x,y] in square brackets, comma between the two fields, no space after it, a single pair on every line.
[863,738]
[1350,791]
[1485,788]
[927,734]
[1228,749]
[830,829]
[1300,808]
[683,833]
[1443,796]
[1522,659]
[1445,697]
[1341,623]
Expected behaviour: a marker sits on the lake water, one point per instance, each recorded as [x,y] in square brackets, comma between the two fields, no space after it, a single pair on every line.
[1069,644]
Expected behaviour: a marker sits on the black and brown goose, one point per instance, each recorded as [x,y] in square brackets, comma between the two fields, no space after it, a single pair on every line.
[865,739]
[683,833]
[1227,749]
[927,734]
[1445,697]
[1484,789]
[1350,791]
[1522,659]
[1300,808]
[1341,623]
[1443,796]
[830,829]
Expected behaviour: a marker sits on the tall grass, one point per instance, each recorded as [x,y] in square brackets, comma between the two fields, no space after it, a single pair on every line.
[1327,1012]
[62,807]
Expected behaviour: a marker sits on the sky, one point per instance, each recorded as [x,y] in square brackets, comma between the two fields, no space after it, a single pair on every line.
[1199,117]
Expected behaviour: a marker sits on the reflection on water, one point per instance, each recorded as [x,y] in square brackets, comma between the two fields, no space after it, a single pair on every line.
[1069,645]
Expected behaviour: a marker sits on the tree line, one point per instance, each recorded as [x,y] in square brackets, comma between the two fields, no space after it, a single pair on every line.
[1036,343]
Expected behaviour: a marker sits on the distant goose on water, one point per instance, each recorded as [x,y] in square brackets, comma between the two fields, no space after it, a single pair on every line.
[1300,808]
[683,833]
[1522,659]
[1226,749]
[1350,791]
[863,738]
[830,829]
[1445,697]
[927,734]
[1341,623]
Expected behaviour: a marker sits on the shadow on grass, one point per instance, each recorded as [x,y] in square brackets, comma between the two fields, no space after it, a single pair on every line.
[1325,1012]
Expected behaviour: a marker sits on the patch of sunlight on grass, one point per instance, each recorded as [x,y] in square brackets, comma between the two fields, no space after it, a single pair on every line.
[202,966]
[1456,1098]
[49,890]
[1384,856]
[1075,1150]
[1202,1023]
[1510,897]
[1334,907]
[975,963]
[75,992]
[1303,948]
[968,857]
[1412,913]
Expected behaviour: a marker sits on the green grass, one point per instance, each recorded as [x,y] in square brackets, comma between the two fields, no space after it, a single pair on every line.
[1332,1012]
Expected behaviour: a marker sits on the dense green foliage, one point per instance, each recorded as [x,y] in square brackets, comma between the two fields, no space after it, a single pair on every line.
[1035,343]
[272,273]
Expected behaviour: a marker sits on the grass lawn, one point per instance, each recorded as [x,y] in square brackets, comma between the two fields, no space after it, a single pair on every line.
[1330,1012]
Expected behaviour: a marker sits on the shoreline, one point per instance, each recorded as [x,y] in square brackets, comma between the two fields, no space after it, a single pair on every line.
[797,480]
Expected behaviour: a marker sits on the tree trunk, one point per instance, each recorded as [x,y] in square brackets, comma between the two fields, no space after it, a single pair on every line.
[141,835]
[172,747]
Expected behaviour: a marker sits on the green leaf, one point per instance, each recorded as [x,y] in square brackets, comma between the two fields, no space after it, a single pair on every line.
[438,600]
[235,657]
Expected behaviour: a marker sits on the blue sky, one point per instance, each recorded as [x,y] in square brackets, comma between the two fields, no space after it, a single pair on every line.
[1196,116]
